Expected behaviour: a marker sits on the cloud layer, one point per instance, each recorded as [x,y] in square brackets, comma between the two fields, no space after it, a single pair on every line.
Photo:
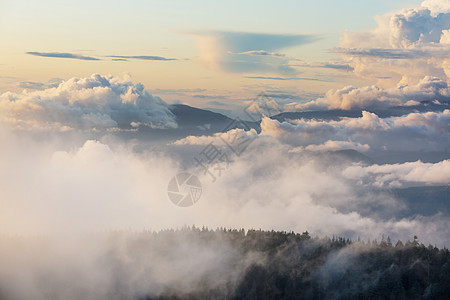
[94,187]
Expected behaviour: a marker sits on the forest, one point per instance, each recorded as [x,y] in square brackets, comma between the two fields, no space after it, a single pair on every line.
[200,263]
[297,266]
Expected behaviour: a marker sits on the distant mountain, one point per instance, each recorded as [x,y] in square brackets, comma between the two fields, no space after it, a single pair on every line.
[195,121]
[201,121]
[195,118]
[424,200]
[336,157]
[191,121]
[352,156]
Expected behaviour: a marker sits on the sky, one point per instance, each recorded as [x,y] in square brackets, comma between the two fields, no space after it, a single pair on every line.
[197,44]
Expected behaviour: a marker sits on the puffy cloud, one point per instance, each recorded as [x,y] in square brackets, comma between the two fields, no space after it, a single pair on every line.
[238,135]
[374,97]
[413,132]
[437,6]
[409,37]
[439,122]
[97,102]
[369,121]
[395,175]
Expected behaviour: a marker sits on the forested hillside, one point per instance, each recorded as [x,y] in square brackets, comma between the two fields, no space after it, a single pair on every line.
[297,266]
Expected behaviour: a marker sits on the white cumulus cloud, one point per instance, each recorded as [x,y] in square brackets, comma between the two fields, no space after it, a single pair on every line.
[427,131]
[394,175]
[350,97]
[96,102]
[410,37]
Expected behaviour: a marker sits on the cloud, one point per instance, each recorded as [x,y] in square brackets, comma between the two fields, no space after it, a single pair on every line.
[141,57]
[437,7]
[39,85]
[441,52]
[327,65]
[239,135]
[413,132]
[370,97]
[123,265]
[397,174]
[263,53]
[439,122]
[113,57]
[300,63]
[62,55]
[239,42]
[97,102]
[32,85]
[218,103]
[285,78]
[114,265]
[210,96]
[96,187]
[177,91]
[416,36]
[244,52]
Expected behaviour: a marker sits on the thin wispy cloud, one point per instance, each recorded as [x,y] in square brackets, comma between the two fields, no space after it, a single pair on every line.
[62,55]
[177,91]
[263,53]
[395,53]
[141,57]
[299,62]
[209,96]
[32,85]
[326,65]
[112,57]
[217,103]
[284,78]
